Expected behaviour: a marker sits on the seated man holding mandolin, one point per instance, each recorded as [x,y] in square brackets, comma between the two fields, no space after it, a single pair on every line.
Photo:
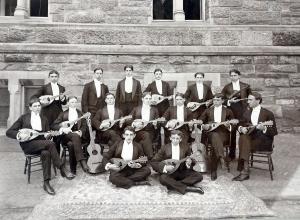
[31,130]
[108,122]
[257,130]
[145,120]
[218,119]
[174,163]
[126,162]
[69,123]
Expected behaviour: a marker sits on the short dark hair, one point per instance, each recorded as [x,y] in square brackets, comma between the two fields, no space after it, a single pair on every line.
[98,68]
[157,70]
[179,133]
[257,96]
[146,93]
[33,100]
[234,71]
[129,128]
[53,72]
[72,97]
[219,95]
[198,73]
[128,66]
[109,93]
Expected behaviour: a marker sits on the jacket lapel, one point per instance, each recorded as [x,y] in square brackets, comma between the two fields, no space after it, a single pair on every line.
[134,85]
[122,86]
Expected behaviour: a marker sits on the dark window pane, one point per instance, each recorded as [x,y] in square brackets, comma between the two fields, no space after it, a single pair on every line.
[163,9]
[192,9]
[10,6]
[39,8]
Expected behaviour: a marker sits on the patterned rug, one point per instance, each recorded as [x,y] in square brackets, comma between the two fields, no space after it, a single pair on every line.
[93,197]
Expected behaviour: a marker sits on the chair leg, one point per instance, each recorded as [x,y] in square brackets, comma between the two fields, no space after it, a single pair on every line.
[29,170]
[26,164]
[270,166]
[272,163]
[54,168]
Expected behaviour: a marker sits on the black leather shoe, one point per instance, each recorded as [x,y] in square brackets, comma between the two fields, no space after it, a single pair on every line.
[242,177]
[213,175]
[48,189]
[236,177]
[66,174]
[196,189]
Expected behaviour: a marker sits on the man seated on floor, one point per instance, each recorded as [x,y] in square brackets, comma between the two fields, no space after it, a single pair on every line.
[258,137]
[39,145]
[184,177]
[134,172]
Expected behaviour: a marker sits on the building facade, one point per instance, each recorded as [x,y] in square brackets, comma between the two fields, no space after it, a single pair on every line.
[261,38]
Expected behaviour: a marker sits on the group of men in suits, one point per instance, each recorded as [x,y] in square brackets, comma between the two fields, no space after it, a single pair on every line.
[111,113]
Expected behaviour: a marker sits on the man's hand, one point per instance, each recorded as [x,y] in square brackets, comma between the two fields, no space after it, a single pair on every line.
[243,130]
[233,100]
[170,97]
[260,127]
[65,130]
[134,165]
[113,167]
[207,103]
[138,124]
[22,136]
[169,168]
[79,133]
[188,163]
[206,126]
[62,97]
[104,124]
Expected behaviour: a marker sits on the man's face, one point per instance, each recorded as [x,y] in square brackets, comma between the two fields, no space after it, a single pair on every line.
[252,102]
[175,139]
[72,103]
[110,100]
[128,72]
[128,136]
[98,75]
[35,107]
[179,101]
[147,100]
[53,77]
[158,75]
[234,76]
[199,78]
[217,101]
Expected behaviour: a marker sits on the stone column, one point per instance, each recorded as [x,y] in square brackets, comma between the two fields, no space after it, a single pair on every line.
[22,9]
[14,101]
[2,7]
[178,10]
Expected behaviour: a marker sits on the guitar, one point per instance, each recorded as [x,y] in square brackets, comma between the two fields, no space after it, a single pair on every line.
[251,128]
[70,124]
[107,123]
[94,150]
[215,125]
[156,99]
[199,151]
[145,123]
[27,134]
[46,100]
[123,163]
[174,124]
[195,105]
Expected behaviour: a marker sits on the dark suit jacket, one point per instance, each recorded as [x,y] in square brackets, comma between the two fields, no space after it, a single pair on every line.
[102,114]
[171,113]
[166,153]
[191,94]
[166,91]
[239,107]
[115,151]
[136,92]
[89,101]
[137,114]
[51,111]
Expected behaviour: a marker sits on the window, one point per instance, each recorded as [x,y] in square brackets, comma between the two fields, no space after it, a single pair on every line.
[24,8]
[178,10]
[39,8]
[7,7]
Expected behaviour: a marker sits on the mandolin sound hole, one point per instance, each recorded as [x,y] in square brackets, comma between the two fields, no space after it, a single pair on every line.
[94,152]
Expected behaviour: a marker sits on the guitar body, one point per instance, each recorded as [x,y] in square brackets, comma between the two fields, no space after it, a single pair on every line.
[95,157]
[199,153]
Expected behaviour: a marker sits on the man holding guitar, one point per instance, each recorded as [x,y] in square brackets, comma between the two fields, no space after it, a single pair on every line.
[74,133]
[108,130]
[219,136]
[174,164]
[39,145]
[135,173]
[257,130]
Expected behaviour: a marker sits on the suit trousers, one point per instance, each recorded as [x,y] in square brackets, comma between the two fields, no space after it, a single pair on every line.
[145,138]
[128,176]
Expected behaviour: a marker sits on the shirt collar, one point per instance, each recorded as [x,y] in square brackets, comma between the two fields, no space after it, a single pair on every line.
[97,81]
[128,77]
[34,114]
[53,84]
[257,108]
[219,107]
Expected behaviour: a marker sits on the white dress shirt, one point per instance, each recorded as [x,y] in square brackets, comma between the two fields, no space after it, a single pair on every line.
[111,112]
[255,114]
[180,113]
[55,90]
[128,84]
[73,115]
[36,122]
[127,151]
[218,113]
[146,112]
[158,84]
[200,90]
[98,87]
[175,152]
[236,85]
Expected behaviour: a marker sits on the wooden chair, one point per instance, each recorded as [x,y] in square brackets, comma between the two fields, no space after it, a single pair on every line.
[263,157]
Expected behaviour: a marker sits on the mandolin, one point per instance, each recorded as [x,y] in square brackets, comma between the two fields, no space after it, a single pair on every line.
[94,150]
[123,163]
[46,100]
[107,123]
[251,128]
[27,134]
[145,123]
[215,125]
[174,124]
[195,105]
[70,124]
[156,99]
[177,163]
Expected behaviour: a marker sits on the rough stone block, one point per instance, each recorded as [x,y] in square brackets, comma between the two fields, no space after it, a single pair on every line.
[3,34]
[254,17]
[105,5]
[290,38]
[75,67]
[255,5]
[285,101]
[201,59]
[265,60]
[294,79]
[17,58]
[181,59]
[219,59]
[287,93]
[50,35]
[154,59]
[86,16]
[126,19]
[50,58]
[57,17]
[295,7]
[18,34]
[277,82]
[119,59]
[287,60]
[287,68]
[60,1]
[228,38]
[255,83]
[244,68]
[220,21]
[75,58]
[56,8]
[241,59]
[220,12]
[226,3]
[4,66]
[33,67]
[276,109]
[252,38]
